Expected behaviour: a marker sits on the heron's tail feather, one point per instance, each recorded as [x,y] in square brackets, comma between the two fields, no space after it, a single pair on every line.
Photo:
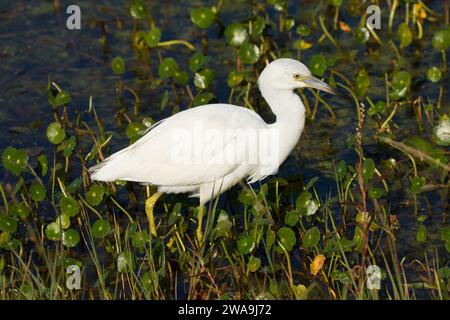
[110,169]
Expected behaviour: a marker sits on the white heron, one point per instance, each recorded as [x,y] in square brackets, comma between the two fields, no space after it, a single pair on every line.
[207,149]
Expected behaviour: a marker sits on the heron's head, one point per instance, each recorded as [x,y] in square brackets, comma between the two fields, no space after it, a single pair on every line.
[289,74]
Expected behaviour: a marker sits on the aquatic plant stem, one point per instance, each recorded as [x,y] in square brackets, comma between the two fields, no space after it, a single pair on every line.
[199,232]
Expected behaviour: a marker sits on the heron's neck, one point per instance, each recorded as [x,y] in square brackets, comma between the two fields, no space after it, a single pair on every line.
[290,114]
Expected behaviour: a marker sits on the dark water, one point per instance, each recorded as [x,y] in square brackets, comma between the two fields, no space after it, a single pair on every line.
[35,43]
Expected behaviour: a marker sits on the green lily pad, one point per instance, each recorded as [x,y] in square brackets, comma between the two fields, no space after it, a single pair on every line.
[341,170]
[287,238]
[203,17]
[249,53]
[94,195]
[138,9]
[291,218]
[19,210]
[376,193]
[167,68]
[42,159]
[317,65]
[139,239]
[55,133]
[362,35]
[445,234]
[71,238]
[303,30]
[234,78]
[62,98]
[7,224]
[253,264]
[153,37]
[259,24]
[101,228]
[421,235]
[14,160]
[223,225]
[203,98]
[404,35]
[417,183]
[203,79]
[402,79]
[245,244]
[311,238]
[362,83]
[197,61]
[368,169]
[53,231]
[441,40]
[69,206]
[236,34]
[64,221]
[37,191]
[434,74]
[118,65]
[180,77]
[135,130]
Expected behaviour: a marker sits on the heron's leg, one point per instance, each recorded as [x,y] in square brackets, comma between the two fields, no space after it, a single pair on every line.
[199,231]
[149,205]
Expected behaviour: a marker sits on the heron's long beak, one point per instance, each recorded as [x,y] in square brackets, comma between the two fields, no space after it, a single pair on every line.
[319,84]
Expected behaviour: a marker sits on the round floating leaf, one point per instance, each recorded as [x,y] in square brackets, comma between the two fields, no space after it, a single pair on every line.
[253,264]
[362,35]
[37,191]
[71,238]
[118,65]
[55,133]
[353,8]
[249,53]
[236,34]
[445,234]
[94,195]
[53,231]
[69,206]
[421,235]
[287,238]
[376,193]
[336,3]
[368,169]
[234,78]
[258,27]
[317,65]
[203,79]
[138,9]
[181,77]
[167,68]
[135,130]
[245,244]
[434,74]
[197,61]
[341,170]
[303,30]
[64,221]
[441,40]
[311,238]
[291,218]
[139,239]
[7,224]
[152,37]
[124,262]
[203,17]
[19,210]
[402,79]
[362,83]
[42,159]
[203,98]
[62,98]
[404,35]
[300,292]
[101,228]
[14,160]
[417,183]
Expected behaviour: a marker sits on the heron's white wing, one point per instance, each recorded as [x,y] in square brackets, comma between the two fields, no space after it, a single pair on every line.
[192,147]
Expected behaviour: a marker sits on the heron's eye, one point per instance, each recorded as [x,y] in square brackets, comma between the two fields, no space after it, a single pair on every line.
[297,76]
